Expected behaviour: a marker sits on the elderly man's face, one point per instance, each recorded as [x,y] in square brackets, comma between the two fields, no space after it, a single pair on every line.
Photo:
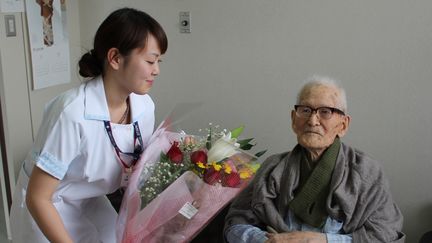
[314,133]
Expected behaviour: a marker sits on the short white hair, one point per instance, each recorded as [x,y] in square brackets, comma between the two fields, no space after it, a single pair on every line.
[317,80]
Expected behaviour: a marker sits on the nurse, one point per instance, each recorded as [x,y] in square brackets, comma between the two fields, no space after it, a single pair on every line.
[91,136]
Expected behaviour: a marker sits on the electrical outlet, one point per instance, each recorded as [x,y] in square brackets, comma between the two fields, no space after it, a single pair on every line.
[10,25]
[185,22]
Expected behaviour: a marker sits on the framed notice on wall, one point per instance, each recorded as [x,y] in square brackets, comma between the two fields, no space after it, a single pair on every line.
[49,42]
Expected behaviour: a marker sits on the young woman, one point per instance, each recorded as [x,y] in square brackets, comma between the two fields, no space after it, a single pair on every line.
[91,136]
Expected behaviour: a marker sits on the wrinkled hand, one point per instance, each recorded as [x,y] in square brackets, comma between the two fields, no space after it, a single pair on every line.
[297,237]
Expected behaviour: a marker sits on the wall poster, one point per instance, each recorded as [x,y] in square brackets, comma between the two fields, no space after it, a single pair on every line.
[49,42]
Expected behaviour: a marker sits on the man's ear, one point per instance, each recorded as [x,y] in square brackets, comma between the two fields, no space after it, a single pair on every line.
[293,117]
[114,58]
[345,125]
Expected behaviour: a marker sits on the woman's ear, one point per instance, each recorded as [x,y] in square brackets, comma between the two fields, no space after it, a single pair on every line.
[346,120]
[114,58]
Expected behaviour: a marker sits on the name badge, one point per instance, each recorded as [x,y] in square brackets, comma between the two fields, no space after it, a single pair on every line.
[125,177]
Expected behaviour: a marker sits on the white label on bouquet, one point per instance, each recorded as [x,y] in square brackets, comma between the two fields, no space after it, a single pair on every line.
[188,210]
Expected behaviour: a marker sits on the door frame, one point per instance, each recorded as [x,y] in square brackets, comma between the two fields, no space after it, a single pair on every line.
[5,178]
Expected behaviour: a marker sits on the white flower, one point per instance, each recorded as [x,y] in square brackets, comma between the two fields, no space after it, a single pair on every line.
[223,147]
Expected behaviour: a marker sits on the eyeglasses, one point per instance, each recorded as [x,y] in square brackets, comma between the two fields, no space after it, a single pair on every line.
[304,111]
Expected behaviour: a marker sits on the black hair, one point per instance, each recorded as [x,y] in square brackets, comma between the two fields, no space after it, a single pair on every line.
[125,29]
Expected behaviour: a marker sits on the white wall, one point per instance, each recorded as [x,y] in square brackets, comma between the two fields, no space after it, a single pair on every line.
[246,59]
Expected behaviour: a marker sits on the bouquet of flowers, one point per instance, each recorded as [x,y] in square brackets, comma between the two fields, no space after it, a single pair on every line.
[182,181]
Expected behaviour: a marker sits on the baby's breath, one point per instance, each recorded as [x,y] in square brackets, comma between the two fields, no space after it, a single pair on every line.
[157,177]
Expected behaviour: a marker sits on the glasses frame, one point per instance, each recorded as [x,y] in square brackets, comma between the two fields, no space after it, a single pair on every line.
[315,110]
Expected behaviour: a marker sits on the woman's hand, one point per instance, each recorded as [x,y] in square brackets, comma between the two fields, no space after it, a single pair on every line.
[41,188]
[297,237]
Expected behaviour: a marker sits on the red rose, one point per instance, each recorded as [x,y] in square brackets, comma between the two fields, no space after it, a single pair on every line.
[212,176]
[175,154]
[199,156]
[231,180]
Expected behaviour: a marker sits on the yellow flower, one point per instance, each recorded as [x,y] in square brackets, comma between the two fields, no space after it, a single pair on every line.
[200,165]
[245,174]
[228,169]
[216,166]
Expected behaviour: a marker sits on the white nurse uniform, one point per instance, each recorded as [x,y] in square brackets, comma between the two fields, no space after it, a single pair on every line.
[73,146]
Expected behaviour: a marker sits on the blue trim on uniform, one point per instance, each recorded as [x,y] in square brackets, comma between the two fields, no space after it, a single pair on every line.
[96,117]
[51,165]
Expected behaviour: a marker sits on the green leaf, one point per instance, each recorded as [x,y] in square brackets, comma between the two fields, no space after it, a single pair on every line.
[237,131]
[244,141]
[163,157]
[247,146]
[259,154]
[255,167]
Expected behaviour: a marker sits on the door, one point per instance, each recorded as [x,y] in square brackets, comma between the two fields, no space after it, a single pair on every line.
[5,197]
[6,194]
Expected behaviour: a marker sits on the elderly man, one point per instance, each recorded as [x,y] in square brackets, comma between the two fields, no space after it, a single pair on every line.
[321,191]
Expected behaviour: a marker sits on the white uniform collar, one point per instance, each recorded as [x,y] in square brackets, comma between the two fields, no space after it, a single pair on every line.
[96,107]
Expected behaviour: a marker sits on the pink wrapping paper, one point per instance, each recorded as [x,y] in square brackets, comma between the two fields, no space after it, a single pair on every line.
[160,220]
